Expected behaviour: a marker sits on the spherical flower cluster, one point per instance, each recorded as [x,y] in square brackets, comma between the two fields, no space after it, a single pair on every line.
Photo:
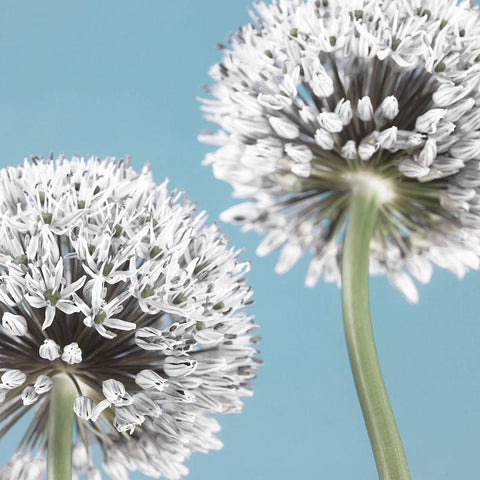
[319,95]
[108,279]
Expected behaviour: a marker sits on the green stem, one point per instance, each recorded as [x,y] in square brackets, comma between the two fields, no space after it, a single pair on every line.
[377,411]
[60,428]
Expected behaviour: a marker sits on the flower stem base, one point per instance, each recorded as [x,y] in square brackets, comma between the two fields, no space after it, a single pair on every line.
[60,428]
[377,412]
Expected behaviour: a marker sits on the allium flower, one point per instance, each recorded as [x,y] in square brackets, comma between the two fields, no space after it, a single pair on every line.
[120,301]
[320,95]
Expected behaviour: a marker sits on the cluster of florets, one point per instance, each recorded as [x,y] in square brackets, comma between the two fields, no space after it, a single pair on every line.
[317,95]
[111,280]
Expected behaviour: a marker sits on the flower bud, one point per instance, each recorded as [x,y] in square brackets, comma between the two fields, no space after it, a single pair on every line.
[83,407]
[29,396]
[49,350]
[13,379]
[331,122]
[365,109]
[14,324]
[179,366]
[148,379]
[43,384]
[72,354]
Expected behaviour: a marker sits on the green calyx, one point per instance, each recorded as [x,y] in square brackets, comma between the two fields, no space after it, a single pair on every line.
[52,297]
[395,43]
[180,298]
[219,306]
[107,269]
[155,252]
[100,317]
[22,259]
[148,291]
[117,229]
[47,217]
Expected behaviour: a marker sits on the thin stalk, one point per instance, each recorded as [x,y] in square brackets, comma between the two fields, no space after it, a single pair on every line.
[60,428]
[377,411]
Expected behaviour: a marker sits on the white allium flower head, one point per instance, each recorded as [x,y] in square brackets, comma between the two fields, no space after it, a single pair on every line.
[316,96]
[109,279]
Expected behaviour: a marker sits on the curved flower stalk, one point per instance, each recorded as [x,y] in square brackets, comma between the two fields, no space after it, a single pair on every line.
[335,109]
[123,322]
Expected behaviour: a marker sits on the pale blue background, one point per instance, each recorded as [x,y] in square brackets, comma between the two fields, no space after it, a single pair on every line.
[122,77]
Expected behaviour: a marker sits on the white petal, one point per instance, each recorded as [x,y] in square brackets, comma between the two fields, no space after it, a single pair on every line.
[273,240]
[80,455]
[301,169]
[366,150]
[284,128]
[448,94]
[349,150]
[83,407]
[67,291]
[412,169]
[322,84]
[243,212]
[114,391]
[459,110]
[344,111]
[289,256]
[331,122]
[298,153]
[420,268]
[119,324]
[365,109]
[387,110]
[67,307]
[274,102]
[92,473]
[150,379]
[324,139]
[179,366]
[427,123]
[314,271]
[49,316]
[144,405]
[428,153]
[387,137]
[402,281]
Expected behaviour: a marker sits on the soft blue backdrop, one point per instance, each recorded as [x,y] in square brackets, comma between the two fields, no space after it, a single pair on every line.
[122,77]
